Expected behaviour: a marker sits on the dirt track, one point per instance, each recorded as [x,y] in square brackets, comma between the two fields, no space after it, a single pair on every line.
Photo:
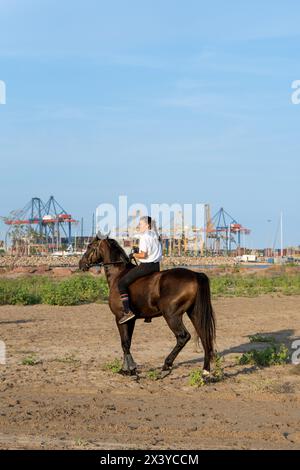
[68,400]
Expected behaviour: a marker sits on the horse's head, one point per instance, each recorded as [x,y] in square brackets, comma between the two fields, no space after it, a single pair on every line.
[102,250]
[94,254]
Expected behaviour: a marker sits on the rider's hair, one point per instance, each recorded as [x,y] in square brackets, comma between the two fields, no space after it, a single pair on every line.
[148,220]
[151,224]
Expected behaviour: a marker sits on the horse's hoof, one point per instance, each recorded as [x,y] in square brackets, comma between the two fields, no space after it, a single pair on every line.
[164,373]
[205,373]
[135,376]
[128,372]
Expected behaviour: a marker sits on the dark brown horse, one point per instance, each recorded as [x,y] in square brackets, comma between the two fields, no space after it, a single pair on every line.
[168,293]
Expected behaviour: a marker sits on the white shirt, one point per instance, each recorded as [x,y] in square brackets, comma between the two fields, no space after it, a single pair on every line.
[150,244]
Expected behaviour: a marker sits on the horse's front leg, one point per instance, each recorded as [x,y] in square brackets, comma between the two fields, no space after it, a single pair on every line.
[126,331]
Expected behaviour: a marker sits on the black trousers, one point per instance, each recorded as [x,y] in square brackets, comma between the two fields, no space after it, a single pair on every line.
[135,273]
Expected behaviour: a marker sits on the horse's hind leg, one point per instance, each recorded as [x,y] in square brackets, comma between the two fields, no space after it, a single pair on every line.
[126,331]
[182,337]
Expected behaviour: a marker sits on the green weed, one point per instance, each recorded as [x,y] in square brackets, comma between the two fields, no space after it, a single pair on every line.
[114,366]
[153,374]
[31,360]
[196,378]
[272,355]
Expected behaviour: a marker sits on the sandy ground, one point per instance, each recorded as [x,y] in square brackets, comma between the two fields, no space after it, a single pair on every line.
[68,399]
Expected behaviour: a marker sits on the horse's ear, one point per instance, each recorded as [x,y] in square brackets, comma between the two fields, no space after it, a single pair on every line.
[101,236]
[107,236]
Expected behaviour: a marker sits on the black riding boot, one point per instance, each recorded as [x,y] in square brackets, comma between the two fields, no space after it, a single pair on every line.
[128,314]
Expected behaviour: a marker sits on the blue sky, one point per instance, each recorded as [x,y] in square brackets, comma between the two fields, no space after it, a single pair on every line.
[165,101]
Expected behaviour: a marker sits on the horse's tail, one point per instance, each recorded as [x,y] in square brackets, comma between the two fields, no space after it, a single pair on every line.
[203,316]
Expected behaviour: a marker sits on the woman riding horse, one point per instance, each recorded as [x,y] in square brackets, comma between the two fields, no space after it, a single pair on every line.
[169,293]
[149,255]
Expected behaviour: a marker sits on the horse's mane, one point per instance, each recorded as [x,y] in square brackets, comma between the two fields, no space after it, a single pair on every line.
[118,250]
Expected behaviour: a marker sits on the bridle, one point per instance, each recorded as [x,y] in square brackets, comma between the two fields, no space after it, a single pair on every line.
[110,263]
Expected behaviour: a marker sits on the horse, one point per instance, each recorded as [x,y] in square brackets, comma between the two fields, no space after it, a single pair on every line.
[168,293]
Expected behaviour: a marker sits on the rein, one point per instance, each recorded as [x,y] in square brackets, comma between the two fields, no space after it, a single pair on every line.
[104,264]
[112,262]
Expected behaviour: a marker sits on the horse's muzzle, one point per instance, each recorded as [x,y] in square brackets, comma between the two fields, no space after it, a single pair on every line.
[83,265]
